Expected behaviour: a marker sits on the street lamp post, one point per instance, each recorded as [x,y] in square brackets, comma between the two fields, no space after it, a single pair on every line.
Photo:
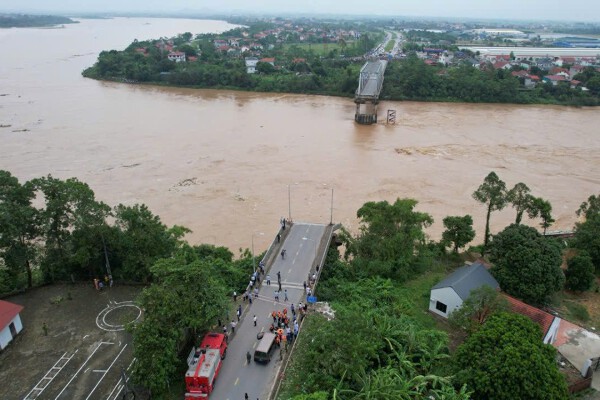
[289,204]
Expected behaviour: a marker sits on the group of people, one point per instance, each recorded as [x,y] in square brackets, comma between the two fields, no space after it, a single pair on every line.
[99,284]
[286,329]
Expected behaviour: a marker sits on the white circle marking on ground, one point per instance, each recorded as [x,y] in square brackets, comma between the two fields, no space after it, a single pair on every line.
[101,318]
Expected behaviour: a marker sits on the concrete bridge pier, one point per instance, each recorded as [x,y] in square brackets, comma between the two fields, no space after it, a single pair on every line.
[366,111]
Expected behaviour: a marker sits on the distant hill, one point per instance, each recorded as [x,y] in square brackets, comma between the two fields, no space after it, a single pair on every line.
[24,20]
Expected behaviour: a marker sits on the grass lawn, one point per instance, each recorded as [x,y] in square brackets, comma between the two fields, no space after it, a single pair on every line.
[390,45]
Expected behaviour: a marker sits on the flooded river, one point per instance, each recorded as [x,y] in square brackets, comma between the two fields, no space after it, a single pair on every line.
[221,162]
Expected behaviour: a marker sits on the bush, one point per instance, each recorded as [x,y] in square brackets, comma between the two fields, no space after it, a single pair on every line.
[580,273]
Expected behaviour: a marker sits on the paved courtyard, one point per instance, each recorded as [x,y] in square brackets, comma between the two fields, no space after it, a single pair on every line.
[85,350]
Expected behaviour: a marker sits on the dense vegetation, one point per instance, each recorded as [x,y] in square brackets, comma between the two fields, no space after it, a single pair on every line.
[506,359]
[299,69]
[24,21]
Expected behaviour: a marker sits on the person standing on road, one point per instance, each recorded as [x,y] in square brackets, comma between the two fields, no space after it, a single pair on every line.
[233,325]
[285,295]
[268,279]
[246,396]
[254,320]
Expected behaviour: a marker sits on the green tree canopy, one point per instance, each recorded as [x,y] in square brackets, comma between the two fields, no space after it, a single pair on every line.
[506,359]
[186,299]
[70,206]
[589,208]
[391,239]
[19,225]
[481,304]
[587,233]
[459,231]
[580,273]
[520,199]
[492,193]
[543,209]
[143,239]
[526,264]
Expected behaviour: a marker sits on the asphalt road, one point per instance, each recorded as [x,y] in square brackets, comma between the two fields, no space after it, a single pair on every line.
[237,377]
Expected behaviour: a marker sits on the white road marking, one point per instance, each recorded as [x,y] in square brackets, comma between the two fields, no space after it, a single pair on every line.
[79,370]
[118,385]
[236,381]
[102,371]
[106,371]
[86,370]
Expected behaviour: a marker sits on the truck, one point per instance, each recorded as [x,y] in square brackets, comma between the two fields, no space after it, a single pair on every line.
[204,364]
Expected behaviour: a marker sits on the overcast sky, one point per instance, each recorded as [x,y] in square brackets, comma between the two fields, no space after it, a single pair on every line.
[572,10]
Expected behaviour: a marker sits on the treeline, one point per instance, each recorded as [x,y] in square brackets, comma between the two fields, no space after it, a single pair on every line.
[56,230]
[24,20]
[412,79]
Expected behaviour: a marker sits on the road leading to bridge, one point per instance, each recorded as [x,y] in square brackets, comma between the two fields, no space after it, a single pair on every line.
[237,377]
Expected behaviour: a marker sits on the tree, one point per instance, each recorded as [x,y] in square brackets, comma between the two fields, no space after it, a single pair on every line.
[459,231]
[520,199]
[143,239]
[70,205]
[492,193]
[526,264]
[19,225]
[506,359]
[481,304]
[186,299]
[590,207]
[265,68]
[543,209]
[587,238]
[391,239]
[580,273]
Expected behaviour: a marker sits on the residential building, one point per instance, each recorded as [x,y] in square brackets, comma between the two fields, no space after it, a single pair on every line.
[449,295]
[251,64]
[10,322]
[176,56]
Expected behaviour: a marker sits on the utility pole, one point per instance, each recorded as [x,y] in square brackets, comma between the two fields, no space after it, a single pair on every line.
[289,204]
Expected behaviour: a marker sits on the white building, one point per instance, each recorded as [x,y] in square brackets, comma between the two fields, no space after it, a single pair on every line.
[10,322]
[176,56]
[449,295]
[251,64]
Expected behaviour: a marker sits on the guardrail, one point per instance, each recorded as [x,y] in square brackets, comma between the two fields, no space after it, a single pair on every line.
[280,372]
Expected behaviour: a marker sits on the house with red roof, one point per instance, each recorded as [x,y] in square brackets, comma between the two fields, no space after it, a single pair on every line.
[269,60]
[10,322]
[544,320]
[502,65]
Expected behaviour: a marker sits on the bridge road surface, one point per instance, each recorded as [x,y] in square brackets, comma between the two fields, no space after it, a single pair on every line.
[237,377]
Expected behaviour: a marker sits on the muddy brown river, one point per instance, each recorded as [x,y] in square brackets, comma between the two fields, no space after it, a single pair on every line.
[221,162]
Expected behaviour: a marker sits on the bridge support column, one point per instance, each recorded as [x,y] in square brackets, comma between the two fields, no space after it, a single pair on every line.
[366,112]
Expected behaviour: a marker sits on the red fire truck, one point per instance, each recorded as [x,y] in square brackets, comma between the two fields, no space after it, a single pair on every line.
[204,363]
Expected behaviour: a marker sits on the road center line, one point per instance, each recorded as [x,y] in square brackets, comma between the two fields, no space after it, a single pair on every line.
[237,381]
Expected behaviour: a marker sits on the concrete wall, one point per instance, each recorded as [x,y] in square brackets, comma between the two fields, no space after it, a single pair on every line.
[447,296]
[5,335]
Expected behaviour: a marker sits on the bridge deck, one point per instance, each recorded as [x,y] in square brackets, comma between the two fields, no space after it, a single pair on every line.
[370,80]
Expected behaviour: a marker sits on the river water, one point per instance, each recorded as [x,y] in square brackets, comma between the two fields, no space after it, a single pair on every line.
[221,162]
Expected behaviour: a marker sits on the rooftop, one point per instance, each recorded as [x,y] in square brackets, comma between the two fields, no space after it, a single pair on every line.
[467,278]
